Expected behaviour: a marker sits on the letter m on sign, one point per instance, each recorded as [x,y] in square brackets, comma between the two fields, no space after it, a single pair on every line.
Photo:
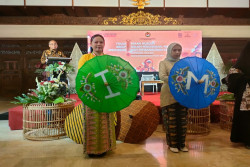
[190,75]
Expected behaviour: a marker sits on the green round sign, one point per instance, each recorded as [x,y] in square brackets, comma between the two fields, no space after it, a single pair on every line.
[107,83]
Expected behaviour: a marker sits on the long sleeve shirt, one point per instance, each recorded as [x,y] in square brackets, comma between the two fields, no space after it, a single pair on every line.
[51,53]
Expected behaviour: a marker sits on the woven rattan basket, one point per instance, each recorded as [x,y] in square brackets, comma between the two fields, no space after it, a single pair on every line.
[42,121]
[138,121]
[226,114]
[198,121]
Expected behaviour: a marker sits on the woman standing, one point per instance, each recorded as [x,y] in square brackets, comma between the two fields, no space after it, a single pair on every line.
[238,82]
[174,114]
[98,128]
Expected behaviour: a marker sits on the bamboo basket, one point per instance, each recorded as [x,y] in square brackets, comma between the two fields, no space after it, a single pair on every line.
[138,121]
[226,114]
[43,121]
[198,121]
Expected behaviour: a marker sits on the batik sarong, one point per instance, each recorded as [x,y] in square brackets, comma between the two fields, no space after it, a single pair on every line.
[98,131]
[175,123]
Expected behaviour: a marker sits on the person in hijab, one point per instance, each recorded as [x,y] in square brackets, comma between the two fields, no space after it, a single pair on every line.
[174,114]
[238,82]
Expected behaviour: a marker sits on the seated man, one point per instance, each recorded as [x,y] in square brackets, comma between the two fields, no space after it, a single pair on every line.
[51,52]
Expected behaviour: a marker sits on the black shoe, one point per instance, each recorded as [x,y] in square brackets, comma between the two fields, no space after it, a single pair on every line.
[92,155]
[102,155]
[97,155]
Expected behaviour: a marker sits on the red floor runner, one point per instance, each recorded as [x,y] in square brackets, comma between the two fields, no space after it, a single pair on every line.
[16,113]
[152,97]
[148,96]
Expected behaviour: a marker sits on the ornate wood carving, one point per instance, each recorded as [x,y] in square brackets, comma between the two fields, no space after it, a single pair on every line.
[140,18]
[61,19]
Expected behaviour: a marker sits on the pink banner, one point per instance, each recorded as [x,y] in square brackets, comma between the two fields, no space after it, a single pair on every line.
[145,49]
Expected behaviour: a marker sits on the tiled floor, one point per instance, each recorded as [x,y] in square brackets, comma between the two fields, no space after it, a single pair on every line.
[212,150]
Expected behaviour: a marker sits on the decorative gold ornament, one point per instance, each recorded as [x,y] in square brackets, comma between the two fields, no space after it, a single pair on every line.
[110,20]
[141,3]
[140,18]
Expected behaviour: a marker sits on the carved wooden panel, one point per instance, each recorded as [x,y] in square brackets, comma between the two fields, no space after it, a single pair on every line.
[61,19]
[44,15]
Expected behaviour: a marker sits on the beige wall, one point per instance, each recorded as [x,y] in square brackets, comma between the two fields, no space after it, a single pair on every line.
[80,31]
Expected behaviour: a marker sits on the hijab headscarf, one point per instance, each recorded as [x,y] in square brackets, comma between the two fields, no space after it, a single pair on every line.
[169,51]
[243,62]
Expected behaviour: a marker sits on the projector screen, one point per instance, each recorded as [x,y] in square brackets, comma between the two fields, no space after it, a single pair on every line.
[145,49]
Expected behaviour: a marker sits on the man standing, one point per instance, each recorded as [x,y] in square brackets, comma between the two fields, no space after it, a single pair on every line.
[51,52]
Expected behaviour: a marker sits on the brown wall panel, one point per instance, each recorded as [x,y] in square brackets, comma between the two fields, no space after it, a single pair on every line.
[19,57]
[18,60]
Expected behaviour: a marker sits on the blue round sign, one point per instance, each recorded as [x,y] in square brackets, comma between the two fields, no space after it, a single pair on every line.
[184,85]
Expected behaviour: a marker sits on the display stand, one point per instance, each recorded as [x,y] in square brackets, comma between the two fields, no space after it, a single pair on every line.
[52,60]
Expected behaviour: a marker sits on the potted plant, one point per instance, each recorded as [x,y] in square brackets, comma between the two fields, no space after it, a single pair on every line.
[45,109]
[40,70]
[228,65]
[59,67]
